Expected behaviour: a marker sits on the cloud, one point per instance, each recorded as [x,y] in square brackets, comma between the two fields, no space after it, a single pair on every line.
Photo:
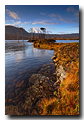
[18,22]
[11,25]
[49,28]
[46,23]
[74,11]
[43,13]
[15,23]
[62,19]
[8,24]
[70,9]
[53,15]
[12,14]
[27,22]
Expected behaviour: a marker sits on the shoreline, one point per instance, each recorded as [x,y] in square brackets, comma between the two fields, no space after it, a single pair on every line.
[66,61]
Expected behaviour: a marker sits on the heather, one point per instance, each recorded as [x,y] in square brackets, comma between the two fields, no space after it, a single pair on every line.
[66,100]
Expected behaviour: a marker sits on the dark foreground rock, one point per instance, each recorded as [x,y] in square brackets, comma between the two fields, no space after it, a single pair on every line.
[40,87]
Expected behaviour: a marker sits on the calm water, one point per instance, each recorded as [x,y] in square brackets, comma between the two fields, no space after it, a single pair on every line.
[21,61]
[66,41]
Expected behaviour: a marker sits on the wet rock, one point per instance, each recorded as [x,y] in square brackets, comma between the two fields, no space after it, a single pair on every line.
[11,110]
[42,79]
[35,79]
[41,87]
[56,85]
[54,58]
[9,100]
[18,84]
[34,112]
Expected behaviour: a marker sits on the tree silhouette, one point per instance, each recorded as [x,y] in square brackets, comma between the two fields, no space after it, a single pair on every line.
[21,31]
[44,31]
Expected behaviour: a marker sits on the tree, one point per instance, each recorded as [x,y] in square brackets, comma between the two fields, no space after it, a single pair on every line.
[44,31]
[21,31]
[48,34]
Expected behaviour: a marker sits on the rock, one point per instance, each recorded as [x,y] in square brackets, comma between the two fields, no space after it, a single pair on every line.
[60,73]
[35,79]
[40,87]
[18,84]
[55,64]
[35,88]
[57,83]
[54,58]
[61,78]
[33,98]
[54,73]
[64,74]
[9,100]
[47,85]
[34,112]
[11,110]
[42,79]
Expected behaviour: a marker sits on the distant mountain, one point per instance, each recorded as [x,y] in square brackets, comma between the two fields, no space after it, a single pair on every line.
[73,35]
[12,32]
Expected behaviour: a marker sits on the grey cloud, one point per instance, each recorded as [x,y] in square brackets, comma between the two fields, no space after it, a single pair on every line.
[74,11]
[46,23]
[53,15]
[43,13]
[70,9]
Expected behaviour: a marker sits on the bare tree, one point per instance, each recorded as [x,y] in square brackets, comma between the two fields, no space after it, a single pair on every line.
[48,34]
[21,31]
[31,31]
[44,31]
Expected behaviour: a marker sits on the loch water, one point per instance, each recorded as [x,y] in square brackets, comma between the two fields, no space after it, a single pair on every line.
[21,61]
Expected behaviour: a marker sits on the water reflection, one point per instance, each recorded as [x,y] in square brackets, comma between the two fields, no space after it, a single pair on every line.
[19,56]
[14,45]
[21,61]
[66,41]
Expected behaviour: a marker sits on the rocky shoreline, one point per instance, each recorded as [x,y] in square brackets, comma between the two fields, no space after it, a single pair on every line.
[42,87]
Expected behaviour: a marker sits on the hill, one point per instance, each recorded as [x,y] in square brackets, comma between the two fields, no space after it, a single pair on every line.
[11,30]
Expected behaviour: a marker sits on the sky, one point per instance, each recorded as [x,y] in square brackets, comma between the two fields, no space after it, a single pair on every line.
[57,19]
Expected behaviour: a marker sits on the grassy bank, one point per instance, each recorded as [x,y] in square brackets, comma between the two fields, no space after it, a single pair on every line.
[67,98]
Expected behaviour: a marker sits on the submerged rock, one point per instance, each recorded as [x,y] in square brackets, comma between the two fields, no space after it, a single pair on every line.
[40,87]
[11,110]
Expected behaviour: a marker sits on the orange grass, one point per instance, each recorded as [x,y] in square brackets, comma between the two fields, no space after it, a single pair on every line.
[67,98]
